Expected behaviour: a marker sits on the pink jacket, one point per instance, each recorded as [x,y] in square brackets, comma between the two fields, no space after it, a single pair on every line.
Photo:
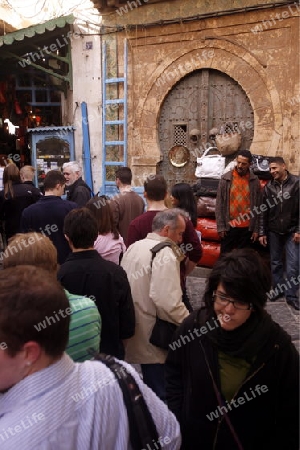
[109,248]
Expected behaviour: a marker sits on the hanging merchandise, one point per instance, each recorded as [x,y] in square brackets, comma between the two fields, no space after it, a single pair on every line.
[206,187]
[210,255]
[230,166]
[208,229]
[2,98]
[18,109]
[206,207]
[229,139]
[260,167]
[2,92]
[210,166]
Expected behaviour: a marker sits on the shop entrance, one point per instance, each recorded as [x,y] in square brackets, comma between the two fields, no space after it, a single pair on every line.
[201,101]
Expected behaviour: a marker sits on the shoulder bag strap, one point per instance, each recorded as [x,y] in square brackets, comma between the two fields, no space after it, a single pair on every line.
[142,428]
[154,250]
[220,402]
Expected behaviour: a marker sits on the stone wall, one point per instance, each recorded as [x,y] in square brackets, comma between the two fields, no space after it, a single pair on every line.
[259,49]
[144,11]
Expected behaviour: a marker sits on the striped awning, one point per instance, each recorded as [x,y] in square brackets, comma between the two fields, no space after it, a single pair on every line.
[41,28]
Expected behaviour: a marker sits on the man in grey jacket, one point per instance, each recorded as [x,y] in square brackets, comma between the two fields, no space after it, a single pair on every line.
[238,198]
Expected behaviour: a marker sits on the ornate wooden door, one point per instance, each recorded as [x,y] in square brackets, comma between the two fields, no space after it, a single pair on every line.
[203,100]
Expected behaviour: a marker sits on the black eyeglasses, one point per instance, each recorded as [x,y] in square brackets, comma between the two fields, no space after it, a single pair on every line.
[224,300]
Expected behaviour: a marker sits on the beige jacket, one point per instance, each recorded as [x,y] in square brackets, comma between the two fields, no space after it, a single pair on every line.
[153,292]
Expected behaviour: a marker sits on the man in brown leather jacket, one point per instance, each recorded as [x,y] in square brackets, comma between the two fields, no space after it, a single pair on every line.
[238,198]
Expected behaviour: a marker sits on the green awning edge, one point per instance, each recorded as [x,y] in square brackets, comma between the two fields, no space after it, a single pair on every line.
[50,25]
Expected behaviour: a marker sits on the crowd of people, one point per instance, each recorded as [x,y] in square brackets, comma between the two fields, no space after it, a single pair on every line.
[89,275]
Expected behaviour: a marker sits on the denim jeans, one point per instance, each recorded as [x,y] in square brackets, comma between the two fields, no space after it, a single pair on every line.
[280,245]
[154,377]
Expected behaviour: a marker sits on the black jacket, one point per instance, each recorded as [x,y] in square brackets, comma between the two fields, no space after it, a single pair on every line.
[35,191]
[47,216]
[87,273]
[78,192]
[269,421]
[282,213]
[11,208]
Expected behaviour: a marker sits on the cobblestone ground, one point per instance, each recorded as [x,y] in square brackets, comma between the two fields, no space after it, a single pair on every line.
[280,311]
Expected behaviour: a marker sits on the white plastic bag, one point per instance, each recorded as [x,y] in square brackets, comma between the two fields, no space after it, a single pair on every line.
[230,166]
[210,166]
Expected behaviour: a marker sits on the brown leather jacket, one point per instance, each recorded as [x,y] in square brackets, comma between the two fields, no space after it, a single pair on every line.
[223,197]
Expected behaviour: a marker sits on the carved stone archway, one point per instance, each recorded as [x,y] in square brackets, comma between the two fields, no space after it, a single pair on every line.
[203,100]
[227,57]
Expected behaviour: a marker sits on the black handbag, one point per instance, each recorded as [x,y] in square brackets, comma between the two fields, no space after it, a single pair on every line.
[142,429]
[260,167]
[206,187]
[162,333]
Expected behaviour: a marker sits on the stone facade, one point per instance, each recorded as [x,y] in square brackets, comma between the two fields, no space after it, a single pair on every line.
[258,48]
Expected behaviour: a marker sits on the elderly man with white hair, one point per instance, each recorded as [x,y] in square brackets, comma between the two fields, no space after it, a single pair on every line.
[76,189]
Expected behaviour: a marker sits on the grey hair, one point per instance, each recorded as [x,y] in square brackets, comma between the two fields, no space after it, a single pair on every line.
[73,166]
[168,217]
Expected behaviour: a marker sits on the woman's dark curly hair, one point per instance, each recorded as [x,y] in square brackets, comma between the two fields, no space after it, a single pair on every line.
[244,276]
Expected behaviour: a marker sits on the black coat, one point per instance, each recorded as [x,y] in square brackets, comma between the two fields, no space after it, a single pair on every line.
[47,216]
[11,208]
[35,191]
[87,273]
[79,192]
[268,421]
[281,216]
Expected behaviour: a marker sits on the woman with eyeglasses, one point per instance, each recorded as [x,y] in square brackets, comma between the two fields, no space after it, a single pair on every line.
[232,373]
